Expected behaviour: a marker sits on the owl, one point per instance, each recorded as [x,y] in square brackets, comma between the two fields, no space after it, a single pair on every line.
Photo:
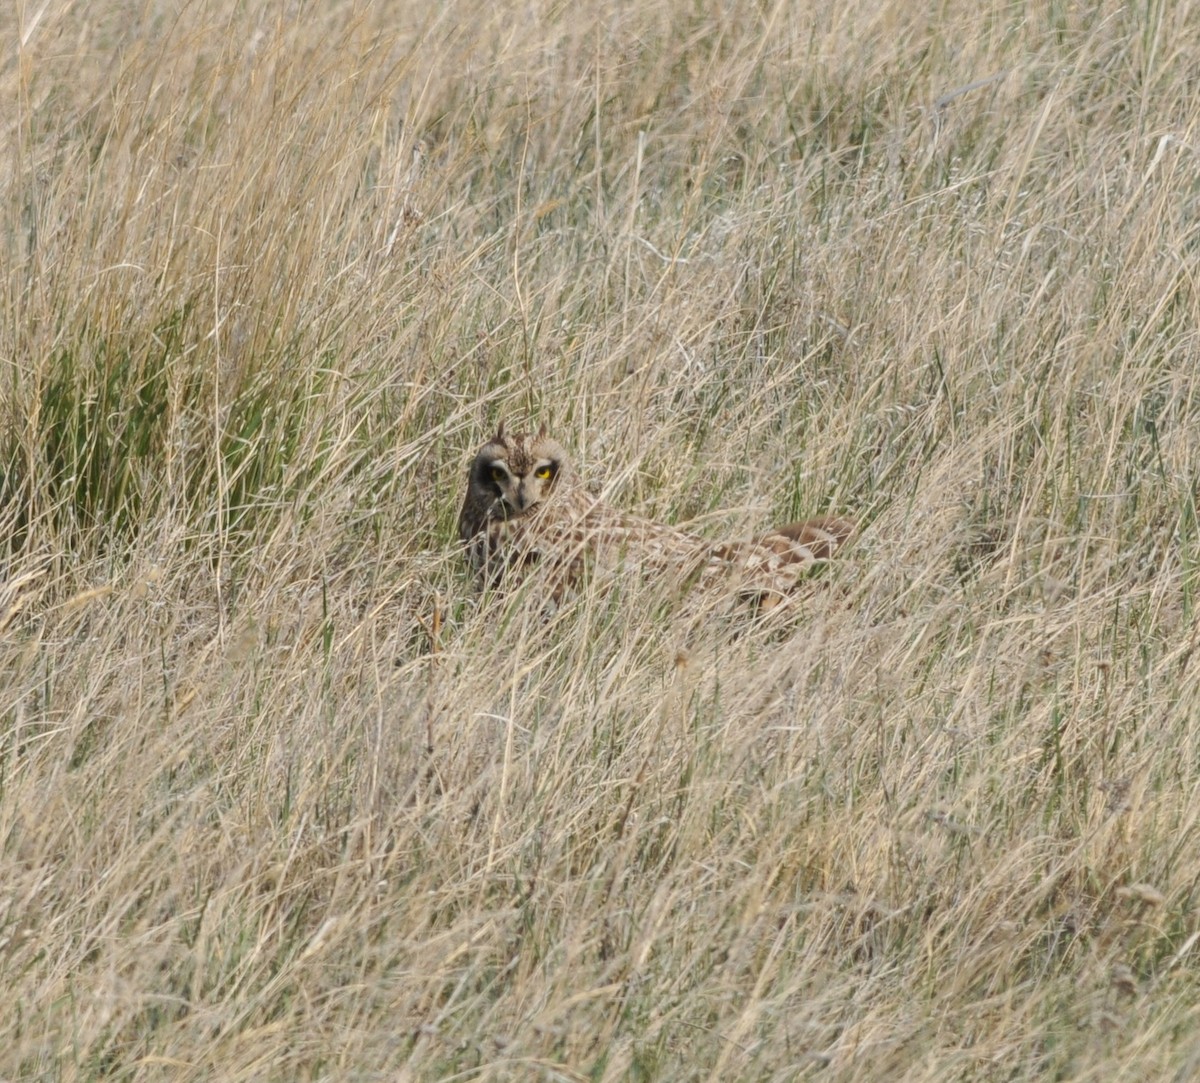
[526,513]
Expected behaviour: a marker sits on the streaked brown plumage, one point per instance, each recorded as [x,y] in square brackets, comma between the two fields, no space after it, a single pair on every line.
[526,513]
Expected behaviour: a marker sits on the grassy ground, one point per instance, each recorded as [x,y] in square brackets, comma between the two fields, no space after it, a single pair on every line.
[280,799]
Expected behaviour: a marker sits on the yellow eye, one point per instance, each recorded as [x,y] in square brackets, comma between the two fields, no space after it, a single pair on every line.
[499,473]
[543,472]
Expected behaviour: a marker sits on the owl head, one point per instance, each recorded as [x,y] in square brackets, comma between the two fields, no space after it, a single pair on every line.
[512,474]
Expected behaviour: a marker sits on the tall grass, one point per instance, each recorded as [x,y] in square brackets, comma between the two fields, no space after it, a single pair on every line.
[282,798]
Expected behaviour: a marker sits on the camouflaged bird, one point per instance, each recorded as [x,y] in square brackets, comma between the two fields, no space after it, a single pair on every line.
[526,514]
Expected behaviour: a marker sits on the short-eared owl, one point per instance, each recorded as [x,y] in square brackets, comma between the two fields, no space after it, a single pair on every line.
[526,513]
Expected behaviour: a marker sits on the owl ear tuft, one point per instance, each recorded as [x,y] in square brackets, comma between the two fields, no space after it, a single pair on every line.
[499,437]
[541,433]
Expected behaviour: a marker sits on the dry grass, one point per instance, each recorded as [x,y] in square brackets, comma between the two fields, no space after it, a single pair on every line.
[280,800]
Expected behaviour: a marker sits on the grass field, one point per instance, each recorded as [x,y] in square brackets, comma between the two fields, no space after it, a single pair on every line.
[282,799]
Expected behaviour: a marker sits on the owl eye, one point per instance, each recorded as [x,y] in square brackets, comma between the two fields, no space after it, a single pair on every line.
[499,473]
[544,472]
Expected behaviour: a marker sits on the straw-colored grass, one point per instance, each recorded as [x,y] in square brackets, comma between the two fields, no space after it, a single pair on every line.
[281,799]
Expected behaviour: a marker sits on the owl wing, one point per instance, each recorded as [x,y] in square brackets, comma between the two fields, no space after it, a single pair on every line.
[809,540]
